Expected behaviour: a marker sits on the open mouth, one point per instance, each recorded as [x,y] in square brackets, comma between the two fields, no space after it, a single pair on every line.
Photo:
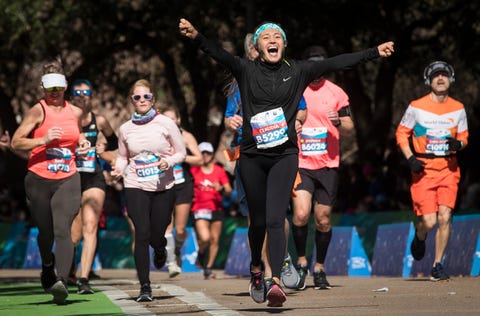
[272,51]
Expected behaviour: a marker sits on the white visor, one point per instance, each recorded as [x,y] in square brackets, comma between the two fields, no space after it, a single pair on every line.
[54,80]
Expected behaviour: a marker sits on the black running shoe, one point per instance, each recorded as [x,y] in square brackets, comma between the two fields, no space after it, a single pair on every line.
[84,286]
[93,276]
[257,287]
[302,272]
[159,258]
[208,274]
[200,263]
[275,295]
[145,293]
[417,248]
[438,274]
[48,277]
[320,280]
[59,291]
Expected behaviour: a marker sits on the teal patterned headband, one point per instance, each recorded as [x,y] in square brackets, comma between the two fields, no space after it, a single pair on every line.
[265,26]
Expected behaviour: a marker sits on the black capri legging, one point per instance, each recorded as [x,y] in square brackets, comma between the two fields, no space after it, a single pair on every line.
[151,213]
[268,183]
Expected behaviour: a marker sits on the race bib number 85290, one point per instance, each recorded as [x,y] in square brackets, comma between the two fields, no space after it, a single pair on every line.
[269,128]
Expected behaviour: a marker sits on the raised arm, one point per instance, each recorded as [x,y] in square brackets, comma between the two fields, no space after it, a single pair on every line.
[186,29]
[386,49]
[211,48]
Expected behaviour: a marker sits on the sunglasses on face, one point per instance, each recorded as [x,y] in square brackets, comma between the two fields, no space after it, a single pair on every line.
[51,89]
[85,92]
[146,96]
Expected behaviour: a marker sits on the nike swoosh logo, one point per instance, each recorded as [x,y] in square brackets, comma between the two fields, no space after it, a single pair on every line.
[286,79]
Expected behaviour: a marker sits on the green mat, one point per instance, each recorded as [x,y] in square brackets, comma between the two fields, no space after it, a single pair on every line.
[28,299]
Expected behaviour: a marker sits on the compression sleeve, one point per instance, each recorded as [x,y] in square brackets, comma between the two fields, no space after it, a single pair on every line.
[216,52]
[345,111]
[316,69]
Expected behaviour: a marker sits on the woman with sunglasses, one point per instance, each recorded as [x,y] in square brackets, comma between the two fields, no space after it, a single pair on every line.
[149,146]
[271,88]
[51,131]
[92,182]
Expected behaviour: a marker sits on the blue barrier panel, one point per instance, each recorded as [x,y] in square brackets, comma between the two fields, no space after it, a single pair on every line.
[460,251]
[358,264]
[34,261]
[476,259]
[391,254]
[238,261]
[188,253]
[114,248]
[14,249]
[346,255]
[32,256]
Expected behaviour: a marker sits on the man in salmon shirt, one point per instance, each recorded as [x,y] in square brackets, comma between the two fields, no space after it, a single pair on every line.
[437,126]
[329,118]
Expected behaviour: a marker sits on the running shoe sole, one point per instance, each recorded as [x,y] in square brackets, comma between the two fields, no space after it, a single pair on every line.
[275,296]
[85,290]
[302,273]
[438,279]
[145,298]
[59,293]
[320,281]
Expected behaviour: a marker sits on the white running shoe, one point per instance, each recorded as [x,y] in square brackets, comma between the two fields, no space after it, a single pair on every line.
[173,269]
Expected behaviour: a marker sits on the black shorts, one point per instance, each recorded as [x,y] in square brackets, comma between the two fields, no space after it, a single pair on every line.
[184,193]
[92,180]
[322,184]
[215,216]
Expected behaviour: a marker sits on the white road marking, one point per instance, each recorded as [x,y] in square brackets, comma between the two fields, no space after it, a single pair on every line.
[199,299]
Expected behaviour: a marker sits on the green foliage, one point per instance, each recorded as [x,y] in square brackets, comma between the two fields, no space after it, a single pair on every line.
[115,42]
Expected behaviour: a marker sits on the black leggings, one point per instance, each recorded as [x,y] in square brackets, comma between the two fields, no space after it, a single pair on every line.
[53,205]
[268,183]
[151,213]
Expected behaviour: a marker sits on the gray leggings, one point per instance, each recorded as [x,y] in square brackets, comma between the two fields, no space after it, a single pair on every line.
[53,206]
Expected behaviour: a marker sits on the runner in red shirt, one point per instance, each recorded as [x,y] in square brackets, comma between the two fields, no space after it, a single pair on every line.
[210,182]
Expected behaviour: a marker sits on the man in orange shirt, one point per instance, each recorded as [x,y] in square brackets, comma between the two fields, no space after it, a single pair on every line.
[437,125]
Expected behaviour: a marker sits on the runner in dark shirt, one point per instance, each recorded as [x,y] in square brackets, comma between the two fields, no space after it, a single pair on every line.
[271,88]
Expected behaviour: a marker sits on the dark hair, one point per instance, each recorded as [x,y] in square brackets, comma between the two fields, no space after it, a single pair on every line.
[168,107]
[78,82]
[314,51]
[54,67]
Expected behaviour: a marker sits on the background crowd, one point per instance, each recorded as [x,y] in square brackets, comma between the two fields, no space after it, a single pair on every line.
[363,187]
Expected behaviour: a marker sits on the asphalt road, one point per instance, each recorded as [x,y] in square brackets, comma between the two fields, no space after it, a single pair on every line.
[190,294]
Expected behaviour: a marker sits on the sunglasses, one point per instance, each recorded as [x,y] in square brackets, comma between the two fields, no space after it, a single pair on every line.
[85,92]
[51,89]
[146,96]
